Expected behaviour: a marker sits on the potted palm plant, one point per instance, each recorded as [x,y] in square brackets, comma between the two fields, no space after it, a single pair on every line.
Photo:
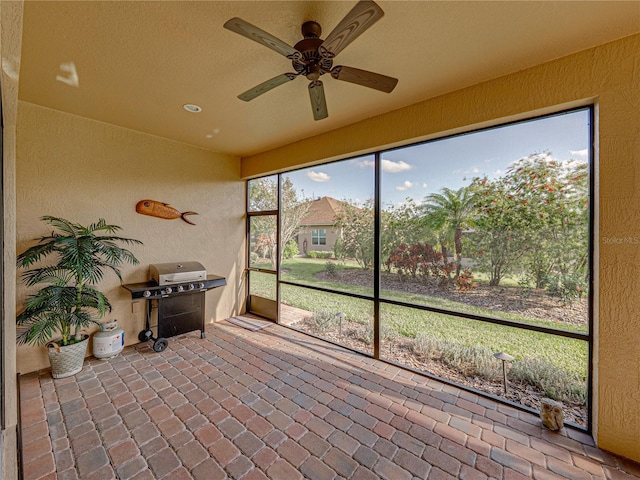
[68,301]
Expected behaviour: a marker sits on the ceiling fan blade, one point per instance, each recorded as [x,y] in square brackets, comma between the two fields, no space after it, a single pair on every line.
[258,35]
[364,78]
[359,19]
[266,86]
[318,102]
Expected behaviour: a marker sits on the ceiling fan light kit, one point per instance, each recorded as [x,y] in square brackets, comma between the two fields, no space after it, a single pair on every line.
[312,57]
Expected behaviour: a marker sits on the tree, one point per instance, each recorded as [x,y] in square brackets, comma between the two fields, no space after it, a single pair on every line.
[556,196]
[356,226]
[293,211]
[263,196]
[499,237]
[534,219]
[403,224]
[449,212]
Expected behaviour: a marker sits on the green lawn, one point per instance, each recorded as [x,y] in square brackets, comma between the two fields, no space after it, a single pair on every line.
[304,270]
[568,354]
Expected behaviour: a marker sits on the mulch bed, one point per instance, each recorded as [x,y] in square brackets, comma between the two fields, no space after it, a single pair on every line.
[535,303]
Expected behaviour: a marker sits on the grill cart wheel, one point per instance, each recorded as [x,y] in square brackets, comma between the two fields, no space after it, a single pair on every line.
[160,344]
[144,335]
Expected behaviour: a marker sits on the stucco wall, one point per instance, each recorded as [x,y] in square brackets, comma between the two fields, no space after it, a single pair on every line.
[84,170]
[609,77]
[305,235]
[10,49]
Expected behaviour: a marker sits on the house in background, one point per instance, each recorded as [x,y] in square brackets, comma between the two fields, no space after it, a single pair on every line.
[317,230]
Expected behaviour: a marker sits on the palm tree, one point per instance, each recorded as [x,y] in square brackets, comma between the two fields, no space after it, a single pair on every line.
[68,301]
[450,212]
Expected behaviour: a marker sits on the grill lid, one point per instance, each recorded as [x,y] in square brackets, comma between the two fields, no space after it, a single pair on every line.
[168,273]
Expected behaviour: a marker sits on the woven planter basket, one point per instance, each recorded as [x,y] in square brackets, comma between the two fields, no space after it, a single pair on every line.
[69,360]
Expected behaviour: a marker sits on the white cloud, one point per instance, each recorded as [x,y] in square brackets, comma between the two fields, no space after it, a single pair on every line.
[389,166]
[468,171]
[406,185]
[395,167]
[318,176]
[366,163]
[579,153]
[424,185]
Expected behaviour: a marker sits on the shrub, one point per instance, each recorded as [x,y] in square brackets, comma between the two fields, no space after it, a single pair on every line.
[330,268]
[419,261]
[525,290]
[290,249]
[472,360]
[319,254]
[426,347]
[338,249]
[465,282]
[324,321]
[554,381]
[254,258]
[566,287]
[365,334]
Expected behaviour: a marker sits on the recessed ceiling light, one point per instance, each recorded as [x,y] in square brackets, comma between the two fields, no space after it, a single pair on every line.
[190,107]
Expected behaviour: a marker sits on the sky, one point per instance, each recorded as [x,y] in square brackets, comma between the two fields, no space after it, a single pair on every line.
[419,170]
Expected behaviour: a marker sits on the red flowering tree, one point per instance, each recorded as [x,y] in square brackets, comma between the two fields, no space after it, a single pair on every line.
[533,220]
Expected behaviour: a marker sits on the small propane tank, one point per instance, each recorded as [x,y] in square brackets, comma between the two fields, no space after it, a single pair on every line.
[109,341]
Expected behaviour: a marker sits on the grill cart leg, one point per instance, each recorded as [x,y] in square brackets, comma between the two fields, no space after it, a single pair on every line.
[146,334]
[159,344]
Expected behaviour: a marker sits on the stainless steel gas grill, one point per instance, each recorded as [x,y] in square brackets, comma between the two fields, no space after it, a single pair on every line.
[179,291]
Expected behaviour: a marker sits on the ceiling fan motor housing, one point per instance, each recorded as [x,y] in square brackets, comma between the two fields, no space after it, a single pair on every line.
[310,62]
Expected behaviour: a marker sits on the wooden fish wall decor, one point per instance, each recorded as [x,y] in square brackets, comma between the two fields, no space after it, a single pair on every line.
[154,208]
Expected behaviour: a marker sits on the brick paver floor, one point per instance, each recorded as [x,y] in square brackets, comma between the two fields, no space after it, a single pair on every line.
[278,404]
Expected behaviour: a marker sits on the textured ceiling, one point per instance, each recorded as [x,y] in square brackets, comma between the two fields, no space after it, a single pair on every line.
[137,63]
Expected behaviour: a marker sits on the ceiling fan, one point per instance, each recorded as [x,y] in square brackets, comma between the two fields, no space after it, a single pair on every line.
[313,57]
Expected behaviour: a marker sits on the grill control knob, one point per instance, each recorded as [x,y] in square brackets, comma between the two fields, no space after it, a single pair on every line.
[180,288]
[192,286]
[146,293]
[201,285]
[168,290]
